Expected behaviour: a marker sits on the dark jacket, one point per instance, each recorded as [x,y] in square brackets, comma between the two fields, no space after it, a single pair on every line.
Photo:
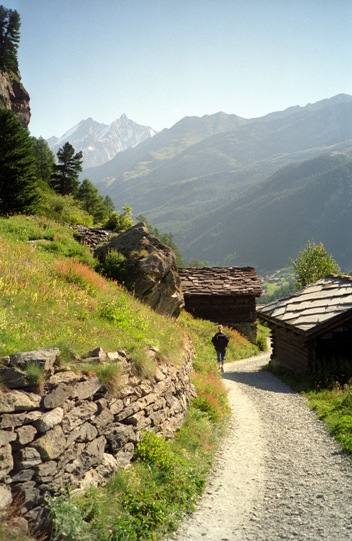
[220,341]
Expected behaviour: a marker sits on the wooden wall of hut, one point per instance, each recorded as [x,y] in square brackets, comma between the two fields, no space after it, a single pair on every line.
[237,311]
[290,350]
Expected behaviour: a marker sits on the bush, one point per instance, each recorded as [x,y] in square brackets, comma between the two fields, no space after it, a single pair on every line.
[114,267]
[67,521]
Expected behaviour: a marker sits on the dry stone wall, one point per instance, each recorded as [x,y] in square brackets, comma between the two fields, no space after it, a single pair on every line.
[71,432]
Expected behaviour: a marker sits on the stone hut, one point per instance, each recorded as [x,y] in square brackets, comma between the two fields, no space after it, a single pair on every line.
[224,295]
[311,326]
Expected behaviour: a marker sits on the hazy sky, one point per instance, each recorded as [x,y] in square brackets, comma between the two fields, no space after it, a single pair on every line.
[160,60]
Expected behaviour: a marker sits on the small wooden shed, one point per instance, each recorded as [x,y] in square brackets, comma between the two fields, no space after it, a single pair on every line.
[311,326]
[224,295]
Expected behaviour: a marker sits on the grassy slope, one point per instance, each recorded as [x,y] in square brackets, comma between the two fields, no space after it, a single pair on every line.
[52,297]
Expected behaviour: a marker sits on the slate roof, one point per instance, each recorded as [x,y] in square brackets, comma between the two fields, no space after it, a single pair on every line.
[220,281]
[313,308]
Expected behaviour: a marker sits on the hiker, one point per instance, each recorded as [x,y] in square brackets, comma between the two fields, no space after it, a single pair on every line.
[220,341]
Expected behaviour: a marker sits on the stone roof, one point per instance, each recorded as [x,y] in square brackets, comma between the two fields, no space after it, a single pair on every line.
[220,281]
[313,308]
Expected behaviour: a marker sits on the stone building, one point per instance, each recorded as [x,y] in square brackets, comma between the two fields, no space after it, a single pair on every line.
[312,326]
[224,295]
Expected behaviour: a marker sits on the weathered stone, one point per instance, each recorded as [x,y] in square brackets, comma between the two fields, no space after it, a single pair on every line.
[27,458]
[115,406]
[96,448]
[102,420]
[152,275]
[6,460]
[14,96]
[5,497]
[23,476]
[90,479]
[13,401]
[26,434]
[12,420]
[6,436]
[99,353]
[66,377]
[71,454]
[78,415]
[46,469]
[52,444]
[108,466]
[57,396]
[13,377]
[83,443]
[157,417]
[87,432]
[115,355]
[118,436]
[46,358]
[49,419]
[29,492]
[86,389]
[124,456]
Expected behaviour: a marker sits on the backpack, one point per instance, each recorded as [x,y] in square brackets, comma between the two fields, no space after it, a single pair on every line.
[221,340]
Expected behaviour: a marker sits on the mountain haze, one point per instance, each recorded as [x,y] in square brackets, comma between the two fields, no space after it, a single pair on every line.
[101,142]
[193,179]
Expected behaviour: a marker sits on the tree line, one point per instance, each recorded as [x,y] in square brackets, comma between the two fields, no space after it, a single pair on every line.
[27,163]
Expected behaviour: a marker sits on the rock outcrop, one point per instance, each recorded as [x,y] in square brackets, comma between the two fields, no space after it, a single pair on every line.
[152,272]
[14,96]
[72,432]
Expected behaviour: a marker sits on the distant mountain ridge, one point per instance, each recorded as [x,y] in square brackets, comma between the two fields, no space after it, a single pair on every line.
[98,142]
[191,179]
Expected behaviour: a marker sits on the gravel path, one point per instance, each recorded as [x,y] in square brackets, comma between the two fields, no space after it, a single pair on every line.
[278,474]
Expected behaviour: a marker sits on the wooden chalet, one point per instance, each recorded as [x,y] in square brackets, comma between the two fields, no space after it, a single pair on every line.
[311,326]
[224,295]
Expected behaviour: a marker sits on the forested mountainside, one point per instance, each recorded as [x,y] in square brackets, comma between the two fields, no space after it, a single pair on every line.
[192,180]
[273,221]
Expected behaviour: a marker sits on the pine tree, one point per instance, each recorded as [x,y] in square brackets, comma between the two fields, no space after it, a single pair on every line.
[44,159]
[65,177]
[92,202]
[18,182]
[9,38]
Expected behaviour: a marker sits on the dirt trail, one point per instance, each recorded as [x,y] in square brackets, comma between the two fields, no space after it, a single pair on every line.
[278,474]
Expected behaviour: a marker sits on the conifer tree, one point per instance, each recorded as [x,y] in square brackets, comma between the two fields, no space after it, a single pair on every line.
[9,38]
[65,176]
[44,159]
[92,201]
[18,182]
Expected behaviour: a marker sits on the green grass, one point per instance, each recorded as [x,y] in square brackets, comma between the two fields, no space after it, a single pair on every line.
[51,296]
[334,407]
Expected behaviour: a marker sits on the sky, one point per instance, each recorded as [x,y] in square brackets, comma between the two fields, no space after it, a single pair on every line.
[158,61]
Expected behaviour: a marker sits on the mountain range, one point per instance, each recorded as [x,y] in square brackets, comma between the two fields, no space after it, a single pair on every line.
[242,191]
[98,142]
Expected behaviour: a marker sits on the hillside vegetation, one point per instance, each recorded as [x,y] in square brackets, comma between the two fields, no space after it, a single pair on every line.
[243,192]
[273,221]
[51,296]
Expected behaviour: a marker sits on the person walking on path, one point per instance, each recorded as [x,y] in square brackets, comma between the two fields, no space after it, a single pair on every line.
[220,341]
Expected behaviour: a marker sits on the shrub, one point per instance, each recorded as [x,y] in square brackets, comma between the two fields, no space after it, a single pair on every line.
[114,267]
[67,521]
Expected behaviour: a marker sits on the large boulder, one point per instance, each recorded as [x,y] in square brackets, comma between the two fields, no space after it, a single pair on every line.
[152,272]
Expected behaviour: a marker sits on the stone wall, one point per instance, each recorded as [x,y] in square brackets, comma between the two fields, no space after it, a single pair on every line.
[71,432]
